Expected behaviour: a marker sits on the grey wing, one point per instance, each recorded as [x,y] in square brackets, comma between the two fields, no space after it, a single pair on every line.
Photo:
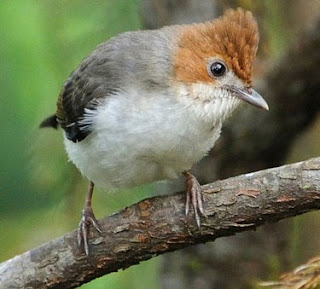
[84,88]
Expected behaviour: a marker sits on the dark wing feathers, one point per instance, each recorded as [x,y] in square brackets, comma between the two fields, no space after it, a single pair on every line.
[83,88]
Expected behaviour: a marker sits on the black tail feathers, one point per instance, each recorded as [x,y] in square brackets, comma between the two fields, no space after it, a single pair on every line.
[50,121]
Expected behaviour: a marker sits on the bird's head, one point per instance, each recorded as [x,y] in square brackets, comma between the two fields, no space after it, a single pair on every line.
[214,60]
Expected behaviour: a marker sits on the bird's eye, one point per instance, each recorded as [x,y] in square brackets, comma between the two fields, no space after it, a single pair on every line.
[218,69]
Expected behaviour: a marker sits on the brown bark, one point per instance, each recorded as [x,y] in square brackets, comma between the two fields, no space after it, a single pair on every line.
[158,225]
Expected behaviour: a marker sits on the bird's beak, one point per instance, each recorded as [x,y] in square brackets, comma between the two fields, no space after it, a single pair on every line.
[249,95]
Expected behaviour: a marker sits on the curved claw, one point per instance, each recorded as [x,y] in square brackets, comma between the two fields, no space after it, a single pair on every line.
[194,197]
[88,219]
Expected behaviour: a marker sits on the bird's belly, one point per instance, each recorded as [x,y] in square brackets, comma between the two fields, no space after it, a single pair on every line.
[135,160]
[127,148]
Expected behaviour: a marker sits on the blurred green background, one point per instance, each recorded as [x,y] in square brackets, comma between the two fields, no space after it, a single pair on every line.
[41,194]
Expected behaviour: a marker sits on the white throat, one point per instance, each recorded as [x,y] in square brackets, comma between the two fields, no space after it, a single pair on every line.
[208,103]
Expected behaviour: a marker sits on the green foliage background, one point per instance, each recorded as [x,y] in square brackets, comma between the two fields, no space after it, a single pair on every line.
[41,194]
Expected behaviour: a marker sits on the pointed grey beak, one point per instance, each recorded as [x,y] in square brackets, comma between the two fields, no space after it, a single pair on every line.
[249,95]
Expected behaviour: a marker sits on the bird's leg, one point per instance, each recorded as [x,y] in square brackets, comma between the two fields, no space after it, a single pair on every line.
[193,196]
[87,219]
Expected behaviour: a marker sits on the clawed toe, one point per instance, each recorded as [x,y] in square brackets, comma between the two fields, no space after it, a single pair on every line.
[194,197]
[88,219]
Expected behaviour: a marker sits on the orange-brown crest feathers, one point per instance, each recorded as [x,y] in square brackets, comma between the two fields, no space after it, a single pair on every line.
[234,38]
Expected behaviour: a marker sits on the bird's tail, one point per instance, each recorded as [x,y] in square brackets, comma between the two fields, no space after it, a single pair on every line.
[50,121]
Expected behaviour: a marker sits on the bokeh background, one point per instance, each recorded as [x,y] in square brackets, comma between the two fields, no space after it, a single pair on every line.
[41,194]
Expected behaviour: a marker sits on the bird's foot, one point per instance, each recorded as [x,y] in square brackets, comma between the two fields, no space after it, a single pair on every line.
[194,197]
[87,219]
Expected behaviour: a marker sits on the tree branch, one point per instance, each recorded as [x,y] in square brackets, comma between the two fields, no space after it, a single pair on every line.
[158,225]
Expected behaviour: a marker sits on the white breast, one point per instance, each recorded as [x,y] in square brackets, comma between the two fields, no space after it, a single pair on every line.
[139,139]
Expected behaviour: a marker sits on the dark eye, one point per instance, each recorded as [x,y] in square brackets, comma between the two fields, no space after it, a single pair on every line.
[218,69]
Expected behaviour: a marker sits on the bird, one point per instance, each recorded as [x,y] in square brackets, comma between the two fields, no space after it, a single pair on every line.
[147,105]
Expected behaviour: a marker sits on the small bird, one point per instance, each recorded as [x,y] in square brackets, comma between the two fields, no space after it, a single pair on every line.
[147,105]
